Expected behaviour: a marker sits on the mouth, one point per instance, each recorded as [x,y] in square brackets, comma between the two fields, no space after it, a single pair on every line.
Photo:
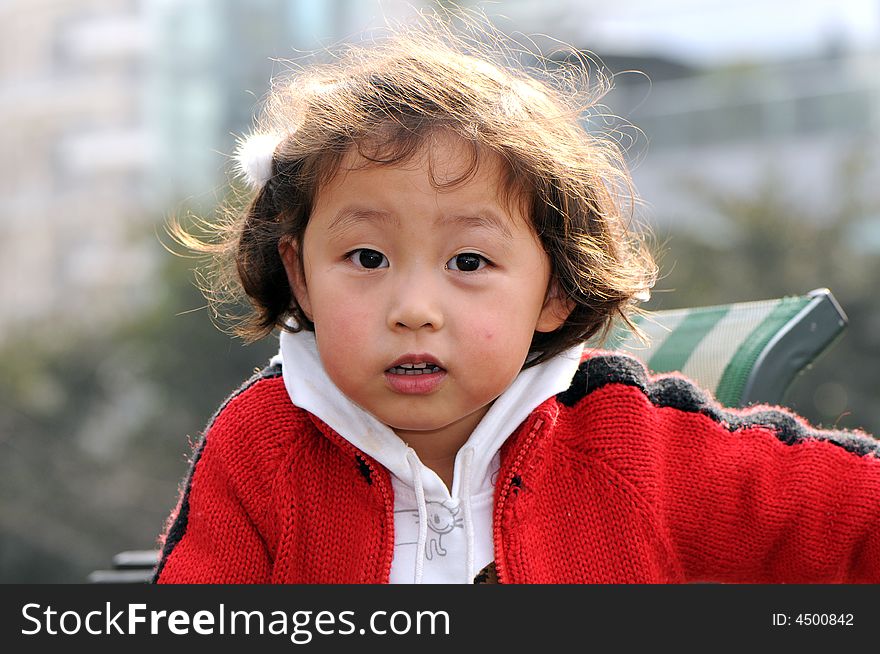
[416,374]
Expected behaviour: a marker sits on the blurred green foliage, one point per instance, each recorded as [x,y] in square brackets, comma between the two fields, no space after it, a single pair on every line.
[96,429]
[769,245]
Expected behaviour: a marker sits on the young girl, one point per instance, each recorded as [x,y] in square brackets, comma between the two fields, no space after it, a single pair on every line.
[436,235]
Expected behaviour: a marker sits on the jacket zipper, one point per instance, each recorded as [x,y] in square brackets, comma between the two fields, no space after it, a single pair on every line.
[513,473]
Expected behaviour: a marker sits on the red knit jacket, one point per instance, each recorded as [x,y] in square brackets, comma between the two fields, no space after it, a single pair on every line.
[624,477]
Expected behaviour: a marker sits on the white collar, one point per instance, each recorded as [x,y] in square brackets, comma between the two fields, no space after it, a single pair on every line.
[310,388]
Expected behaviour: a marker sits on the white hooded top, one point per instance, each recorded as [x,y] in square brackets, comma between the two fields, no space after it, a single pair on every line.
[441,535]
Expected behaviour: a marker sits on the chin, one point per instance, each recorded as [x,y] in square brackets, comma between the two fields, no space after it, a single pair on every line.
[416,423]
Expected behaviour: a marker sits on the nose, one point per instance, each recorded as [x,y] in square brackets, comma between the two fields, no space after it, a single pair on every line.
[415,302]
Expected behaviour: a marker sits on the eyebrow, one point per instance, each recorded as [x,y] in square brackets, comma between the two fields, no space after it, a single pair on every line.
[351,216]
[482,220]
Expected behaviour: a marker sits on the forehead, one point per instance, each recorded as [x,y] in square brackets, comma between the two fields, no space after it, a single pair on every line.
[439,163]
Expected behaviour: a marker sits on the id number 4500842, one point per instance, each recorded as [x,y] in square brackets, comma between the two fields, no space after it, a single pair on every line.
[813,620]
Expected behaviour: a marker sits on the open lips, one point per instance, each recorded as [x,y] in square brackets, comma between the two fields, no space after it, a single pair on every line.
[422,368]
[415,374]
[416,364]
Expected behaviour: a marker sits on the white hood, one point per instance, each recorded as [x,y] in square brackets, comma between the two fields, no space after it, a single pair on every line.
[422,501]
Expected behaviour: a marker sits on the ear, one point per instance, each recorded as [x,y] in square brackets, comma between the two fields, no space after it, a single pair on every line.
[293,266]
[557,307]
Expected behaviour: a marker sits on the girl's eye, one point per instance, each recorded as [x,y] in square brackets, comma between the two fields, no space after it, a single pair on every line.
[466,262]
[369,259]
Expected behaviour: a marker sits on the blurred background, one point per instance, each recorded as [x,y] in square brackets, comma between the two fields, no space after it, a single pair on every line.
[755,150]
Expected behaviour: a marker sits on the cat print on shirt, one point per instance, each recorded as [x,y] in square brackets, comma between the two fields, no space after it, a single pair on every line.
[441,520]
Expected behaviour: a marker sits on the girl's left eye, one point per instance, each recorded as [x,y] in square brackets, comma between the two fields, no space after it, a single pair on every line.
[467,262]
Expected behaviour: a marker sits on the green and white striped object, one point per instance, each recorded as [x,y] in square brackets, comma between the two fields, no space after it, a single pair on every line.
[744,352]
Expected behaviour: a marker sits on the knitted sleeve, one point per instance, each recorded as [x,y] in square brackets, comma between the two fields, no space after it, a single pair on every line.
[217,532]
[212,538]
[754,495]
[760,496]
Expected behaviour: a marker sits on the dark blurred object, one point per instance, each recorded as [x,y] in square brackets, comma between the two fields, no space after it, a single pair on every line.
[132,567]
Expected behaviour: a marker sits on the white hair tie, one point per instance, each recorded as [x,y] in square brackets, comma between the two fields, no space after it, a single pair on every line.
[253,158]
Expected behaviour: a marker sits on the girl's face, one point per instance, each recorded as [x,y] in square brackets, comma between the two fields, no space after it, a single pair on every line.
[424,301]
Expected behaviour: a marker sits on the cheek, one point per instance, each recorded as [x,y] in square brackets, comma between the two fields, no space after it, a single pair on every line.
[344,328]
[497,334]
[343,335]
[337,307]
[504,319]
[500,331]
[341,346]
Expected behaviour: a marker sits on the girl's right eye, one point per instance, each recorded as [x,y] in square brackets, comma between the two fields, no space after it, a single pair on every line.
[369,259]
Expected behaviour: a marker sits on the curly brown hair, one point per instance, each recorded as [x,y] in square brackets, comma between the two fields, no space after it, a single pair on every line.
[384,97]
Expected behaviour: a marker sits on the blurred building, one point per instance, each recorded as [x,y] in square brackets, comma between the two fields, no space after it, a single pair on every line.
[75,156]
[210,70]
[729,123]
[799,123]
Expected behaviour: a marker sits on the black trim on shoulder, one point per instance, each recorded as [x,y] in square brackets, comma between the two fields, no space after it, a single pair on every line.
[596,372]
[682,394]
[178,528]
